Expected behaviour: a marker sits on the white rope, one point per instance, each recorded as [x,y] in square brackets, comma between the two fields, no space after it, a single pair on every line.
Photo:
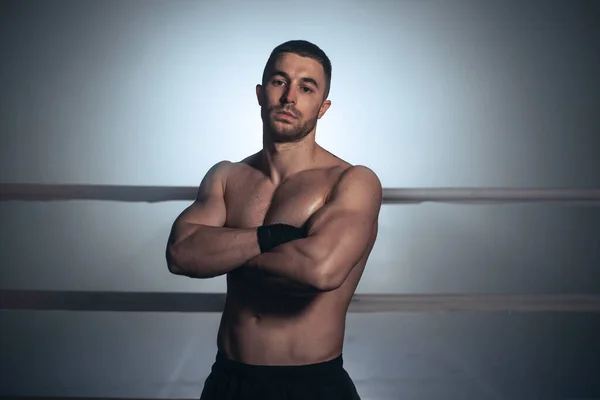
[361,303]
[153,194]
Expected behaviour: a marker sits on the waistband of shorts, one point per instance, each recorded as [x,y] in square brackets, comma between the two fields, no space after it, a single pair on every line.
[227,365]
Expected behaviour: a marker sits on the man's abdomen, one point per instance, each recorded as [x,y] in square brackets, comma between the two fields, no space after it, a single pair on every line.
[250,336]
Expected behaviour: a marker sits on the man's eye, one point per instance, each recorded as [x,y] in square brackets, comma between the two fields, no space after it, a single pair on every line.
[277,82]
[306,89]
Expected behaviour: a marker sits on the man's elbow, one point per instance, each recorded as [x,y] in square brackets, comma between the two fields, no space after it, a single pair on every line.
[191,266]
[175,264]
[171,260]
[328,278]
[174,269]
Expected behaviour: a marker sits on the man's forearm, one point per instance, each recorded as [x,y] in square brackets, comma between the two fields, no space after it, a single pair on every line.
[277,284]
[212,251]
[293,264]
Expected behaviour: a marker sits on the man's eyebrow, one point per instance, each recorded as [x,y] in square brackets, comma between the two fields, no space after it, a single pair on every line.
[311,80]
[286,76]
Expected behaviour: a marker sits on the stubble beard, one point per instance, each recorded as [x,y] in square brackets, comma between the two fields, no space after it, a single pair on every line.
[288,132]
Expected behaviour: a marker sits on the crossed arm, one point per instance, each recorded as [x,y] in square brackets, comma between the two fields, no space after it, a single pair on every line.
[338,235]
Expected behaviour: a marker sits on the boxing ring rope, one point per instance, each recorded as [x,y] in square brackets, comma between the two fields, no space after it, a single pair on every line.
[361,303]
[154,194]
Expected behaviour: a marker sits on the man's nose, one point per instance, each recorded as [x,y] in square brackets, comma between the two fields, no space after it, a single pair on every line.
[289,96]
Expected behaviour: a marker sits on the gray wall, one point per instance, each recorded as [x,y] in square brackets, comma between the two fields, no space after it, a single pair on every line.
[428,94]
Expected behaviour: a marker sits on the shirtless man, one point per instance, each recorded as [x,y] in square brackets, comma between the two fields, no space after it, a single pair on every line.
[292,226]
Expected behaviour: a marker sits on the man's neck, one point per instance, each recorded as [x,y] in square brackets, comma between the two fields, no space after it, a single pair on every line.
[281,160]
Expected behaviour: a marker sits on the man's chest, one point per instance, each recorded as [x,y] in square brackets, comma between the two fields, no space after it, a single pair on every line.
[252,201]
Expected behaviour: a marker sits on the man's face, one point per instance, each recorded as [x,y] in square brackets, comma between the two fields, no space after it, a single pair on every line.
[291,99]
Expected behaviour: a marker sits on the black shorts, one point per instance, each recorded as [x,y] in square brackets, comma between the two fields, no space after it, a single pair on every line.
[231,380]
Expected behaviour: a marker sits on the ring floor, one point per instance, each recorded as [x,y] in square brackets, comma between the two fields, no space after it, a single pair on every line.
[390,356]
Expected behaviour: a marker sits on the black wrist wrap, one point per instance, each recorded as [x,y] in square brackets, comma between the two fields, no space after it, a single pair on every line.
[270,236]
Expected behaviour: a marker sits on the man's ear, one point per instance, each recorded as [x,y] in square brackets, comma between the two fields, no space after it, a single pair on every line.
[324,107]
[259,94]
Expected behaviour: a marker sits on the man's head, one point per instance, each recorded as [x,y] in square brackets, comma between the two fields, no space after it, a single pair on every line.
[296,80]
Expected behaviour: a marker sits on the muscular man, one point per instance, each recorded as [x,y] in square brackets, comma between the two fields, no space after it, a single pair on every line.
[292,226]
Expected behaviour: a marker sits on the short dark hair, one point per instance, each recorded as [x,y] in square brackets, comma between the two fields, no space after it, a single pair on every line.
[302,48]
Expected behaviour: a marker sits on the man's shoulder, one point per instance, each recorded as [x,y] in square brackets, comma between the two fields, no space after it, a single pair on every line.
[348,168]
[355,180]
[360,175]
[220,169]
[354,172]
[225,167]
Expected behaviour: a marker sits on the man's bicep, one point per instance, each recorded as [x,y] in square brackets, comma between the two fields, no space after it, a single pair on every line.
[355,201]
[345,236]
[209,206]
[209,211]
[344,227]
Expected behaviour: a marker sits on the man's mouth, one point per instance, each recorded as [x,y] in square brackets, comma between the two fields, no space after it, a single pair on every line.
[286,114]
